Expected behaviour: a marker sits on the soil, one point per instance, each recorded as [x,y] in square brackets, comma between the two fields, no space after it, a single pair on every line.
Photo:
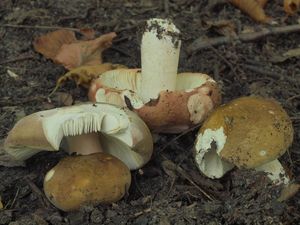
[159,194]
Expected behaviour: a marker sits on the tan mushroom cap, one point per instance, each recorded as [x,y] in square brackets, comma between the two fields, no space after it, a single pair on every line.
[90,179]
[27,138]
[196,95]
[256,131]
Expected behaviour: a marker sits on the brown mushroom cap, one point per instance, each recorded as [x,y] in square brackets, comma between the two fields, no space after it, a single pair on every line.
[196,95]
[89,179]
[253,131]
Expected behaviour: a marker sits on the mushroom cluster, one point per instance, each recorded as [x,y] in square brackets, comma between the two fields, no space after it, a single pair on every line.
[111,135]
[168,102]
[248,132]
[85,129]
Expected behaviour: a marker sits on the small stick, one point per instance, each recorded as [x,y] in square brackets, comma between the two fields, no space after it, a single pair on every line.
[184,174]
[17,59]
[160,150]
[39,27]
[38,192]
[200,43]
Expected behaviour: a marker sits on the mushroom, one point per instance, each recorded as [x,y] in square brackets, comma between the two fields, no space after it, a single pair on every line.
[88,128]
[248,132]
[166,101]
[88,179]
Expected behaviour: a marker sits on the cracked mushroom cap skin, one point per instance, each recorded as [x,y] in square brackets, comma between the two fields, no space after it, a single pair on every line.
[121,132]
[90,179]
[196,95]
[247,132]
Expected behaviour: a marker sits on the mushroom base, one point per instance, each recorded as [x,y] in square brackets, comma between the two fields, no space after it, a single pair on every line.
[275,172]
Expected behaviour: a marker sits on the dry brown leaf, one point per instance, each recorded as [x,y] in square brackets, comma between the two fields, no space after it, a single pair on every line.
[84,75]
[262,3]
[223,27]
[88,33]
[49,44]
[62,47]
[291,6]
[288,192]
[84,52]
[253,9]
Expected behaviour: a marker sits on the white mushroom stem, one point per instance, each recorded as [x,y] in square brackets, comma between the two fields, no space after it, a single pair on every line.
[275,172]
[84,144]
[160,55]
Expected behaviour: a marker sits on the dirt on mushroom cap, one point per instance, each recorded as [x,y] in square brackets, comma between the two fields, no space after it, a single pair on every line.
[258,130]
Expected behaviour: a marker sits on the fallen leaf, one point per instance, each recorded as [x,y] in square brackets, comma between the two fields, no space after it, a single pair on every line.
[62,47]
[223,27]
[84,75]
[49,44]
[253,8]
[262,3]
[291,6]
[288,192]
[84,52]
[88,33]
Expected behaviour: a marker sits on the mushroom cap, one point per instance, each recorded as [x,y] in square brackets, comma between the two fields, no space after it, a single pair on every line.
[196,95]
[89,179]
[121,132]
[247,132]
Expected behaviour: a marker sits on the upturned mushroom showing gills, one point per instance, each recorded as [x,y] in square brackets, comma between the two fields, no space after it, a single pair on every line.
[248,132]
[87,128]
[89,179]
[168,102]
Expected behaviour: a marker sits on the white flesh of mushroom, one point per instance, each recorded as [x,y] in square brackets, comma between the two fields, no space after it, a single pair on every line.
[208,146]
[127,84]
[160,55]
[275,172]
[118,136]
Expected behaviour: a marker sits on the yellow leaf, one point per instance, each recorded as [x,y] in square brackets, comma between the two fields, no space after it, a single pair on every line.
[83,75]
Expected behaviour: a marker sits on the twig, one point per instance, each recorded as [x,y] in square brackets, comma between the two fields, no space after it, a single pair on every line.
[293,97]
[14,200]
[225,60]
[166,6]
[171,165]
[160,150]
[21,58]
[201,43]
[39,27]
[9,102]
[38,192]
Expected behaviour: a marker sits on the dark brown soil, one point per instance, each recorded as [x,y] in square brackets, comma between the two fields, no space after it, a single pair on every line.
[158,195]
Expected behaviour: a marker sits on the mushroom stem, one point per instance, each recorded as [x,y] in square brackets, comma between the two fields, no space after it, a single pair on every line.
[160,55]
[84,144]
[275,172]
